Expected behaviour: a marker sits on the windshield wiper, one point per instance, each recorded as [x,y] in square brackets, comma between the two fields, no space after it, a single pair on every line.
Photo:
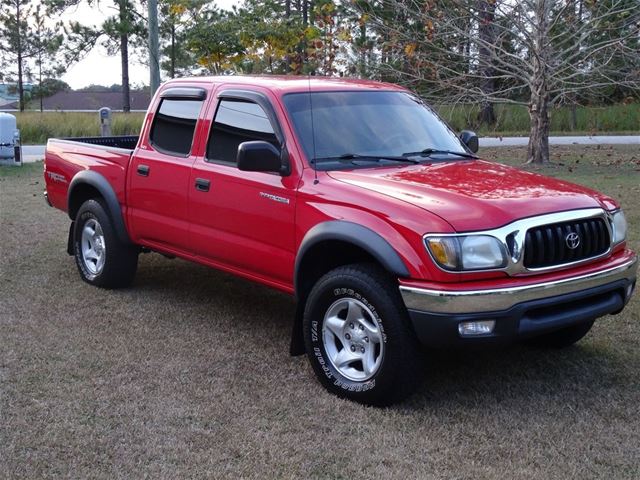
[427,152]
[356,156]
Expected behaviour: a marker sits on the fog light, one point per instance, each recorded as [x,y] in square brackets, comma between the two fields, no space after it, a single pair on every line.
[630,290]
[470,329]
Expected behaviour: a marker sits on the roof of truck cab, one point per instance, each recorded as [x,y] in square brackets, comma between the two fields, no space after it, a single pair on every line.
[290,83]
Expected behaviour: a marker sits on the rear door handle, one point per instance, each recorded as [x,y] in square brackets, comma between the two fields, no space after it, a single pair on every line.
[202,184]
[143,170]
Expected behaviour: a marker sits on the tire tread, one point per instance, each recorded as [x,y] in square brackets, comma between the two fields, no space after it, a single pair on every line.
[122,259]
[406,359]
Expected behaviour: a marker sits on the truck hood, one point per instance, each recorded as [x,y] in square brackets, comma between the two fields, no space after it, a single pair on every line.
[475,195]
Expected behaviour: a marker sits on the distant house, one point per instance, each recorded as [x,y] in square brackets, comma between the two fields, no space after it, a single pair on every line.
[92,101]
[7,104]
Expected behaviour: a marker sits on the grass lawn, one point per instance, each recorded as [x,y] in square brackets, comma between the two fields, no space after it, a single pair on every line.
[187,374]
[513,120]
[36,128]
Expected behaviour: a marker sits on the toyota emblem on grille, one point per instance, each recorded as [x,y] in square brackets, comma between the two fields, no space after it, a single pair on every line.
[572,240]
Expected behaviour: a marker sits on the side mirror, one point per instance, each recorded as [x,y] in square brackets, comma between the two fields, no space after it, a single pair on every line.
[470,139]
[259,156]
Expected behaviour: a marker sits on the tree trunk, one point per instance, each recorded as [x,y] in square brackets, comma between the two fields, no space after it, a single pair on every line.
[19,48]
[154,49]
[363,50]
[20,83]
[306,6]
[173,50]
[487,37]
[538,149]
[124,56]
[487,114]
[287,15]
[40,92]
[305,12]
[574,21]
[39,63]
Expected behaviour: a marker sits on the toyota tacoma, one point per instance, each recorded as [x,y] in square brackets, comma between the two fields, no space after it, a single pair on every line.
[357,199]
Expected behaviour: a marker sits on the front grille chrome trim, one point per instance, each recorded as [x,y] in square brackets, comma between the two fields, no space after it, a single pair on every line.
[513,236]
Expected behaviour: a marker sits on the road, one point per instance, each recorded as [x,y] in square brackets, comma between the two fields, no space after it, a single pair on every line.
[34,153]
[584,140]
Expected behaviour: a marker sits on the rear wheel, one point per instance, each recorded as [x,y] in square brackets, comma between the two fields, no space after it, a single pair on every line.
[102,259]
[562,338]
[358,338]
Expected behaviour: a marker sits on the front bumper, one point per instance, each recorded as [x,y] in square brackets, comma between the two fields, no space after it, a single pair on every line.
[520,311]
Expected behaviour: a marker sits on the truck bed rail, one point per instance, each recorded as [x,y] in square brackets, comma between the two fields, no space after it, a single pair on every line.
[128,142]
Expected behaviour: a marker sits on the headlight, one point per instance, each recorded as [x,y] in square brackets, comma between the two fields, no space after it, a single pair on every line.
[619,227]
[467,252]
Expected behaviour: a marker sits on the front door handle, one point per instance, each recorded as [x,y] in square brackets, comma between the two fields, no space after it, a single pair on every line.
[143,170]
[202,184]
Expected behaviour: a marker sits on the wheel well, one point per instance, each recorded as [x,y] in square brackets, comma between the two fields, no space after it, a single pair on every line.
[324,257]
[80,194]
[317,261]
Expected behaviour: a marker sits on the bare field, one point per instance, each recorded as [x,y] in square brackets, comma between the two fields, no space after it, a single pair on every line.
[187,374]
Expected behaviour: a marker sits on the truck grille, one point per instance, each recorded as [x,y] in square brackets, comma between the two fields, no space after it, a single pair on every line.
[550,245]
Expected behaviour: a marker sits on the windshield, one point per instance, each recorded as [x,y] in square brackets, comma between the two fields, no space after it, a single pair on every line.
[361,128]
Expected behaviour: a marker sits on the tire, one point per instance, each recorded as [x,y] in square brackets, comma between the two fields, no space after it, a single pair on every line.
[358,338]
[561,338]
[102,259]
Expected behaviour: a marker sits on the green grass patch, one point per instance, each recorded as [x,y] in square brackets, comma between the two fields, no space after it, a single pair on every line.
[514,119]
[36,128]
[26,170]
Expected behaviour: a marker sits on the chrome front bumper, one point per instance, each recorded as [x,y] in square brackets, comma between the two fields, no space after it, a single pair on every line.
[491,300]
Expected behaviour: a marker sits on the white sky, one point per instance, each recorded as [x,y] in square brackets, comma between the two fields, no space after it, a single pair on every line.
[98,67]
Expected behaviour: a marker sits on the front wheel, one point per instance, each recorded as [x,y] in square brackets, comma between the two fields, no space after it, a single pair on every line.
[358,338]
[102,259]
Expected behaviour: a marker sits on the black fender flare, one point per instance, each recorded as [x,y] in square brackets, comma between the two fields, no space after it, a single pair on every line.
[354,233]
[102,185]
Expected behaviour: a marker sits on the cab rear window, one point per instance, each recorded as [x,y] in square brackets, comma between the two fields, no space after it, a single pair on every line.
[174,125]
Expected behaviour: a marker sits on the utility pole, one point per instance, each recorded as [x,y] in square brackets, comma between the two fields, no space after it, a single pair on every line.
[154,54]
[124,26]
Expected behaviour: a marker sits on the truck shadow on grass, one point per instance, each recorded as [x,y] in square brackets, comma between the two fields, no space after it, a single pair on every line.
[520,376]
[576,375]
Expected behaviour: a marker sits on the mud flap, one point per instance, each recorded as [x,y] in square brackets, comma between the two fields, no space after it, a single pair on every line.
[70,239]
[297,336]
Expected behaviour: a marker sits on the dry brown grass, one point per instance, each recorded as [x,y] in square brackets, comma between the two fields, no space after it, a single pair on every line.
[187,375]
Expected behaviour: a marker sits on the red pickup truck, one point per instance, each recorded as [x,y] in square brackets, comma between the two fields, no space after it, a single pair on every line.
[354,197]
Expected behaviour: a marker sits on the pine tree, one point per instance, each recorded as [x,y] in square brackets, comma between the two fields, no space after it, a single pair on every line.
[15,41]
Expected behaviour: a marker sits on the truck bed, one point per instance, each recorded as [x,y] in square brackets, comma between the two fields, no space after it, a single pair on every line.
[65,157]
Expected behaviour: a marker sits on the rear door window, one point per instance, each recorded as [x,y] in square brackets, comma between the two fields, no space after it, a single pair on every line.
[237,121]
[174,125]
